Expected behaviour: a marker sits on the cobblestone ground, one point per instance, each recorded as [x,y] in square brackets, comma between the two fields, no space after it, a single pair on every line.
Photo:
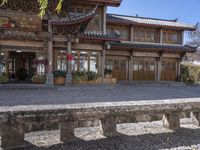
[122,92]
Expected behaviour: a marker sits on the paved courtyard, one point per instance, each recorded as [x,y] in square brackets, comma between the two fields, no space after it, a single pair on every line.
[87,94]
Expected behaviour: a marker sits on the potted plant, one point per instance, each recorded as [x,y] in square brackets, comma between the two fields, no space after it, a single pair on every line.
[38,79]
[59,77]
[3,79]
[108,73]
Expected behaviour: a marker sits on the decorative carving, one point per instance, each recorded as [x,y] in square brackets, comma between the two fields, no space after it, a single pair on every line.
[22,35]
[22,5]
[23,48]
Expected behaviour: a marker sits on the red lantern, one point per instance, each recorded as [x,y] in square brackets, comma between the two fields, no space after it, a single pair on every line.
[69,57]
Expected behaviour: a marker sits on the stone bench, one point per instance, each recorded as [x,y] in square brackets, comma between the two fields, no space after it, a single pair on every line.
[16,121]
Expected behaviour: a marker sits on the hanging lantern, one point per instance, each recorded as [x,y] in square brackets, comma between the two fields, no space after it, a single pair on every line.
[70,57]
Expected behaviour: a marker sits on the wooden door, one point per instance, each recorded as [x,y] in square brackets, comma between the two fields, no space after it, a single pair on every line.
[143,69]
[21,60]
[118,67]
[168,69]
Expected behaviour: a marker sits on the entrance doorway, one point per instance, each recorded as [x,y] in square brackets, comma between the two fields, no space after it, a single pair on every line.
[119,67]
[168,69]
[21,60]
[144,69]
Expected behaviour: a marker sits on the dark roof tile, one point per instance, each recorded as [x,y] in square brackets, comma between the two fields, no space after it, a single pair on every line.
[115,18]
[152,46]
[100,36]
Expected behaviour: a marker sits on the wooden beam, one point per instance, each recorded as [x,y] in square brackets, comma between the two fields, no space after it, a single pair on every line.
[21,43]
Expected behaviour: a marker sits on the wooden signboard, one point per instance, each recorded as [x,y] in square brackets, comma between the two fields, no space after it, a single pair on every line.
[4,22]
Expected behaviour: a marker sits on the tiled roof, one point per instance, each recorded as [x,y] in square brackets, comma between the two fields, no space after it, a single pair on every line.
[151,46]
[100,36]
[75,19]
[148,21]
[114,37]
[108,2]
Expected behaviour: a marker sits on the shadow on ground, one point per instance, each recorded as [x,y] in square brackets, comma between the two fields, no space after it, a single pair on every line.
[183,139]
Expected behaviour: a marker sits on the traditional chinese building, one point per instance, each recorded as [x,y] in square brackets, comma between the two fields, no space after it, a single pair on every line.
[84,37]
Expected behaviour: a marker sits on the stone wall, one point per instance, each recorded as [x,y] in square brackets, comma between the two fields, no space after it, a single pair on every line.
[16,121]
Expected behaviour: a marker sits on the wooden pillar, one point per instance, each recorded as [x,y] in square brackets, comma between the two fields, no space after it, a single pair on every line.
[178,67]
[69,69]
[103,59]
[104,9]
[88,59]
[99,63]
[49,80]
[156,70]
[183,37]
[69,65]
[131,36]
[161,36]
[130,68]
[159,68]
[6,56]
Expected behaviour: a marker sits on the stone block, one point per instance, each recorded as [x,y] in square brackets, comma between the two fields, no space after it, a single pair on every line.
[67,131]
[197,116]
[109,126]
[171,121]
[12,136]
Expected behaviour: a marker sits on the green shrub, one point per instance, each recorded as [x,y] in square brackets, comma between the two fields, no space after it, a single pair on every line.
[84,76]
[59,73]
[21,73]
[3,78]
[190,74]
[38,79]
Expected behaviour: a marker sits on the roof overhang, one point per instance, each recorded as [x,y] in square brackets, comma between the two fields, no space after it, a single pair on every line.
[148,22]
[151,47]
[73,25]
[114,37]
[115,3]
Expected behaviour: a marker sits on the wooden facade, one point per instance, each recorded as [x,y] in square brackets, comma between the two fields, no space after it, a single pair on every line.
[97,40]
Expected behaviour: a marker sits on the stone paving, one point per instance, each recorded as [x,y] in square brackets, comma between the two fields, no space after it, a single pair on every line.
[87,94]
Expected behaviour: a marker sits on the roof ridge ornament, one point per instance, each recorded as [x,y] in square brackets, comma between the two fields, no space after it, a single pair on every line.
[197,24]
[176,19]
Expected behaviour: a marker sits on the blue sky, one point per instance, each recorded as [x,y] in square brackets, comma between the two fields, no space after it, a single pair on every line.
[187,11]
